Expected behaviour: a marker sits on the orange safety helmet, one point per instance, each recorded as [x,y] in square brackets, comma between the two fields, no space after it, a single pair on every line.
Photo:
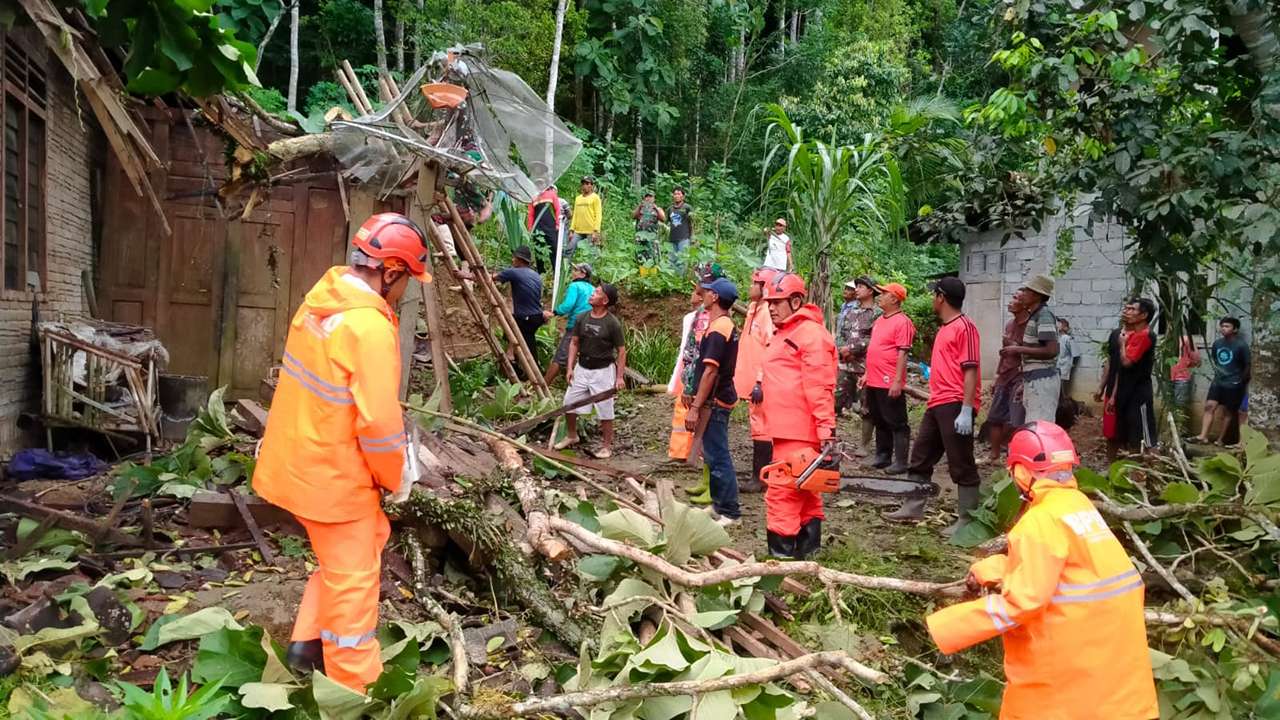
[764,274]
[390,235]
[784,285]
[1038,450]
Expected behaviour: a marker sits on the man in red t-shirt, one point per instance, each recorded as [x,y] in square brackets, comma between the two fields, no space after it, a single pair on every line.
[947,427]
[886,375]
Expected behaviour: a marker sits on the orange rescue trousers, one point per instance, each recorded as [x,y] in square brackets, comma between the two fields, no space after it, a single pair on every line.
[681,439]
[340,603]
[786,507]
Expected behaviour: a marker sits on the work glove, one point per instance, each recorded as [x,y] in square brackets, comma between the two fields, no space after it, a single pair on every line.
[964,421]
[757,394]
[408,476]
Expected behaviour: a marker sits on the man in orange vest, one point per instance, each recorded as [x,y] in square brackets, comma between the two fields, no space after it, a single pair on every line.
[757,329]
[1066,599]
[799,403]
[335,442]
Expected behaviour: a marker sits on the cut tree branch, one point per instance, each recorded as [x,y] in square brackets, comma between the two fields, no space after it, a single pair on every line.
[768,568]
[565,704]
[539,534]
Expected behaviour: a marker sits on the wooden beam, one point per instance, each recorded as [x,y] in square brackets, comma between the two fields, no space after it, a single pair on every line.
[254,531]
[211,509]
[89,527]
[524,426]
[429,292]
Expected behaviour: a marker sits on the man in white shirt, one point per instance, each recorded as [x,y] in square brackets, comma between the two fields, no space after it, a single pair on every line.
[777,253]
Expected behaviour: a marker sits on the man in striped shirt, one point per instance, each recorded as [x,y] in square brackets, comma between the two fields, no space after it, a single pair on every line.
[947,427]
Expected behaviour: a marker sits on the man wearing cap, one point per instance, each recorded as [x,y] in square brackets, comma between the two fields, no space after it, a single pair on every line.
[715,395]
[647,216]
[886,376]
[576,301]
[947,428]
[597,362]
[1038,350]
[588,214]
[777,254]
[526,296]
[853,333]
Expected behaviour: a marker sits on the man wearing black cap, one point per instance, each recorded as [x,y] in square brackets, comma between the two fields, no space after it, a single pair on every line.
[526,296]
[597,362]
[947,427]
[853,332]
[715,394]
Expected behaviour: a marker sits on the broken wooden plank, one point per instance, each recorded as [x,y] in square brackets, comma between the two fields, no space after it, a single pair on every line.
[636,378]
[749,643]
[68,521]
[524,426]
[254,531]
[211,509]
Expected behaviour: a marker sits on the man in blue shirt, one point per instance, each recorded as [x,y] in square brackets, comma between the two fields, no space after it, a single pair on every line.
[526,296]
[576,301]
[1232,370]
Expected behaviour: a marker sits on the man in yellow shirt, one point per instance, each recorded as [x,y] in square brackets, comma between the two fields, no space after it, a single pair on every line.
[588,211]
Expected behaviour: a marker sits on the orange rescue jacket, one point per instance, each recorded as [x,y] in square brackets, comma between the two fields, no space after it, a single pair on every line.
[756,331]
[335,436]
[799,370]
[1070,612]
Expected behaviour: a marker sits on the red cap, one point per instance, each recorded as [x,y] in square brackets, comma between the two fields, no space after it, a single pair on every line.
[894,289]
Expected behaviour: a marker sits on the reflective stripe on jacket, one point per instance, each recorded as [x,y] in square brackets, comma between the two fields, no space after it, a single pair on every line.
[335,435]
[1070,613]
[799,370]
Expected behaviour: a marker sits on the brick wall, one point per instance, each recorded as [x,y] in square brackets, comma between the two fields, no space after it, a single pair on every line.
[69,250]
[1089,294]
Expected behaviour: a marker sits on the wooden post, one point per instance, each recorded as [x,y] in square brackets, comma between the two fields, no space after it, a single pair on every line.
[427,174]
[462,239]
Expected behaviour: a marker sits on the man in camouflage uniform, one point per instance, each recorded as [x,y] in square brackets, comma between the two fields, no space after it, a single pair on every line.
[853,332]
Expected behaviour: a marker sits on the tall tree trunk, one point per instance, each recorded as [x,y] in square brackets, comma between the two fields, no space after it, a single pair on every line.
[554,74]
[578,108]
[637,161]
[417,35]
[782,26]
[380,37]
[820,292]
[795,26]
[657,150]
[294,21]
[608,128]
[400,45]
[697,132]
[266,37]
[742,54]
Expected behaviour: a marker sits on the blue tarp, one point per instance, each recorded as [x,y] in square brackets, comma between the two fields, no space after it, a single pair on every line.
[37,464]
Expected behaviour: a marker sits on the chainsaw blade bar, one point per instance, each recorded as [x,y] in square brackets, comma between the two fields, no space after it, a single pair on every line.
[888,487]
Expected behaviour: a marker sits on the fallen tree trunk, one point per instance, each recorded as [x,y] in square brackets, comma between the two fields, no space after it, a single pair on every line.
[539,534]
[565,704]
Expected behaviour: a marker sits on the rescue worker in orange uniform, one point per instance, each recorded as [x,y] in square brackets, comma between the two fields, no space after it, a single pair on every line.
[797,393]
[757,330]
[335,442]
[1066,599]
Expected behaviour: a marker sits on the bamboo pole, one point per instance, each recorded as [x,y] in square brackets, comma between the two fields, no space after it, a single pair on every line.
[524,354]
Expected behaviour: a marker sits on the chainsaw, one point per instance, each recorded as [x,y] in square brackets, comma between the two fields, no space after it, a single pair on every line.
[819,472]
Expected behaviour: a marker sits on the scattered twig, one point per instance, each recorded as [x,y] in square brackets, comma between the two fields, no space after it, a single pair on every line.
[162,552]
[254,531]
[447,620]
[67,520]
[1155,565]
[566,703]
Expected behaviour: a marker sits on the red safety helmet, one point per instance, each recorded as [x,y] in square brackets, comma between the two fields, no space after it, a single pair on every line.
[387,236]
[764,274]
[1042,449]
[784,285]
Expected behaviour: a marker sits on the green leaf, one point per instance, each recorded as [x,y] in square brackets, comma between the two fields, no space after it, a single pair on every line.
[598,568]
[57,636]
[266,696]
[832,710]
[1264,481]
[690,532]
[52,537]
[628,525]
[662,653]
[973,534]
[152,81]
[235,656]
[584,514]
[714,619]
[173,628]
[1180,493]
[419,702]
[336,701]
[17,570]
[714,706]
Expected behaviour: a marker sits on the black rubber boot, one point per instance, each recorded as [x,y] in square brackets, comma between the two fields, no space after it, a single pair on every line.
[761,455]
[968,498]
[782,547]
[809,541]
[911,510]
[305,656]
[901,449]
